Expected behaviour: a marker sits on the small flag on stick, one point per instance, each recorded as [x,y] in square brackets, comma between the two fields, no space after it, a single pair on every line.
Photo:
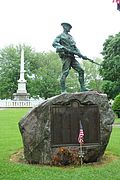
[118,7]
[81,134]
[117,1]
[118,4]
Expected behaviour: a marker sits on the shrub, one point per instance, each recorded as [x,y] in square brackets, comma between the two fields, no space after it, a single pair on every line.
[116,105]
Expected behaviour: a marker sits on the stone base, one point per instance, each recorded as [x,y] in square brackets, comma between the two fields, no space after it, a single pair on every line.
[21,96]
[50,131]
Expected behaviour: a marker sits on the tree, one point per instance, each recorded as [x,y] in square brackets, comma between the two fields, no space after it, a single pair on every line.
[45,81]
[116,105]
[110,69]
[8,71]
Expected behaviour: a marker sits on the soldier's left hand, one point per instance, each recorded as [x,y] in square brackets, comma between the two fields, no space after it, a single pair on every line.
[84,57]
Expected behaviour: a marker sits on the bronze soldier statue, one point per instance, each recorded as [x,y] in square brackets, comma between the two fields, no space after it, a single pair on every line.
[66,49]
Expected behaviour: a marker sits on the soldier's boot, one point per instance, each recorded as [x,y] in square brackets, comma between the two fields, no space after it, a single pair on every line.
[83,89]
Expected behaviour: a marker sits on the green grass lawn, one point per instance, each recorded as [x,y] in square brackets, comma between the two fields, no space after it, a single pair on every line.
[10,142]
[117,120]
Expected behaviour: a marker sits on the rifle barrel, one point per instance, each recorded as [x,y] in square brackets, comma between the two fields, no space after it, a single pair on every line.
[93,62]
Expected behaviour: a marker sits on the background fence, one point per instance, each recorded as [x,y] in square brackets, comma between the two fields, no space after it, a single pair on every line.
[13,104]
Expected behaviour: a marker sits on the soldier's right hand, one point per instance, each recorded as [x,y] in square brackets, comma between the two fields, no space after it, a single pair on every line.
[60,48]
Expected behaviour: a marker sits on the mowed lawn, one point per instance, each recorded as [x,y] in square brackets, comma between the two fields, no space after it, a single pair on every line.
[10,142]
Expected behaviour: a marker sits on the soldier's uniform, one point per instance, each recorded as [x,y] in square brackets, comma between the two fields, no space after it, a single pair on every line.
[66,48]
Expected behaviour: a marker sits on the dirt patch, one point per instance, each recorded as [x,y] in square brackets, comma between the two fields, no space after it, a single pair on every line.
[108,157]
[18,157]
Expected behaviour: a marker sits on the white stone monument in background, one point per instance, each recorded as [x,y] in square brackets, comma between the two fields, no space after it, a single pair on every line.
[21,94]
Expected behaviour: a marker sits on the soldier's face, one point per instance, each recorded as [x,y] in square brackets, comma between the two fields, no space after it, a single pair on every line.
[67,28]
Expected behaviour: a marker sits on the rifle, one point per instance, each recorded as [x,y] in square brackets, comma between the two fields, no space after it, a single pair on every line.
[93,61]
[86,58]
[81,56]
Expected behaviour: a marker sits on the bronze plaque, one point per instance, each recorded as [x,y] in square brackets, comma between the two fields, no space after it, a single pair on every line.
[65,123]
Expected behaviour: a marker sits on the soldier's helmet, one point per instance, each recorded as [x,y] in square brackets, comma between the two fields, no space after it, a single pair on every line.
[64,24]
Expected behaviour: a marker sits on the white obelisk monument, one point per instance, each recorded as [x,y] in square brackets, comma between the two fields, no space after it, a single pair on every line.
[21,94]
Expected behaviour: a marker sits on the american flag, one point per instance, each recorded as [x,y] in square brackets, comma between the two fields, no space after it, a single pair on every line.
[81,134]
[118,4]
[117,1]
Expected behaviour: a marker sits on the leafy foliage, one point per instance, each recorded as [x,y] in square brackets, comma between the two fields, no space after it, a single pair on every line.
[9,68]
[45,80]
[93,79]
[116,105]
[110,69]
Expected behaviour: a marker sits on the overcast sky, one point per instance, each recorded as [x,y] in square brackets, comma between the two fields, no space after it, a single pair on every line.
[37,23]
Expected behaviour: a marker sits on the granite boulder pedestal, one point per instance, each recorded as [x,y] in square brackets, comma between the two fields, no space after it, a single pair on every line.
[50,130]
